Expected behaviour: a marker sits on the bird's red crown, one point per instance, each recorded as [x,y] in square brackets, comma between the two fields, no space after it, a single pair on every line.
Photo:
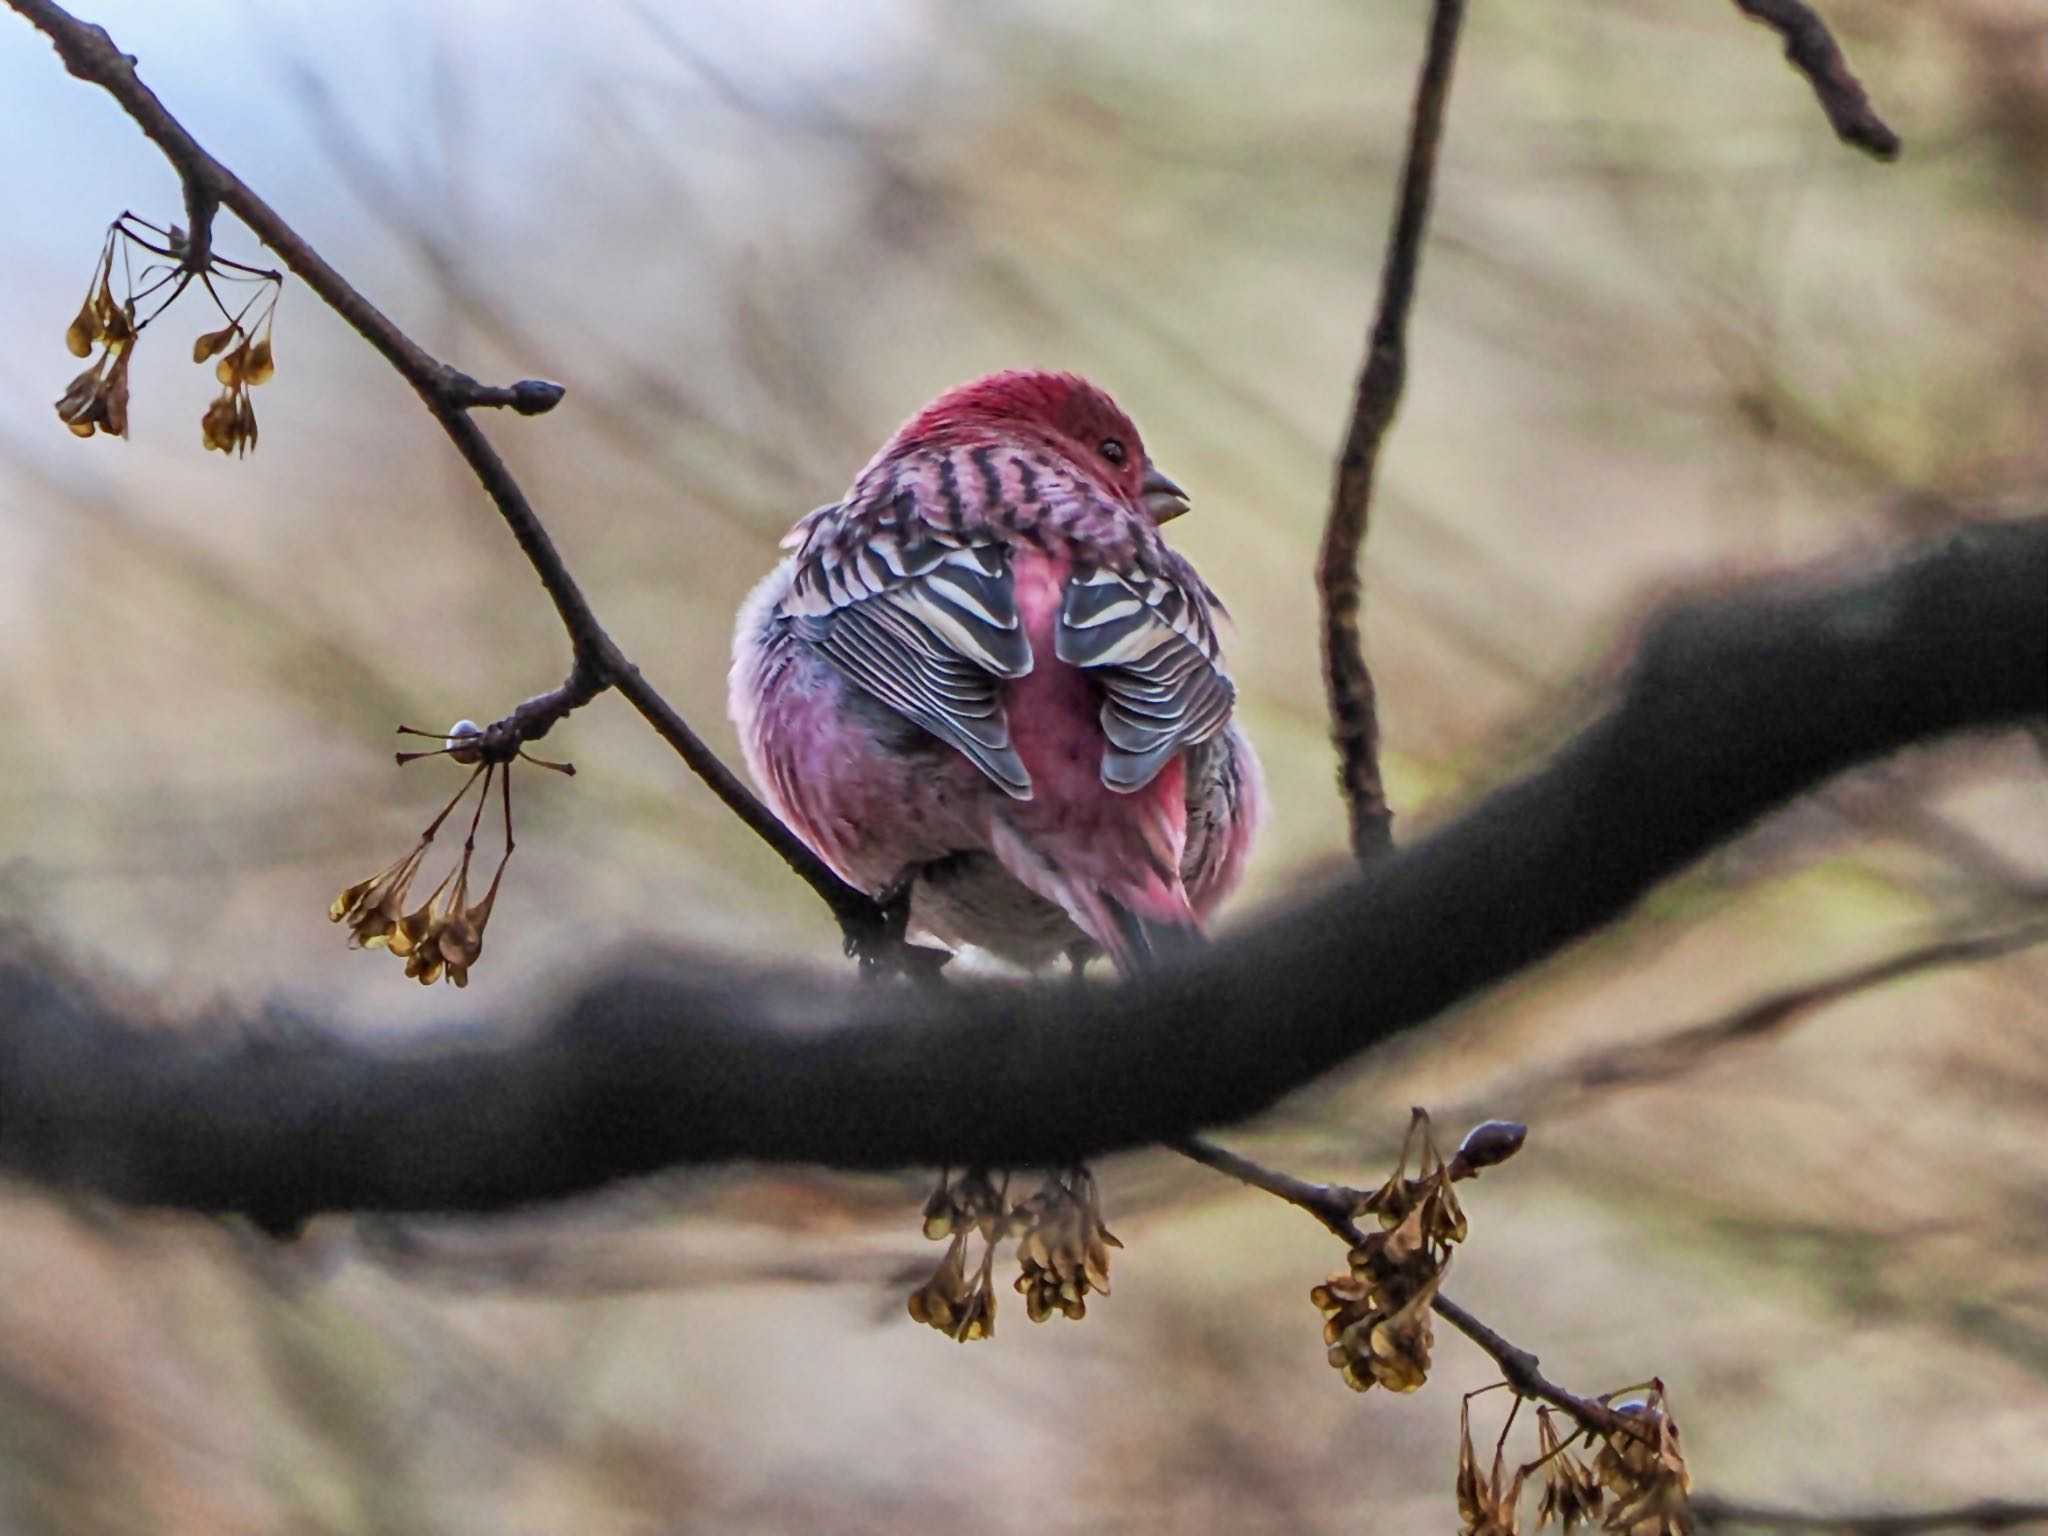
[1070,414]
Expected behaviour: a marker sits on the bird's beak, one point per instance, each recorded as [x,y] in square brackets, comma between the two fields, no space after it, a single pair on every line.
[1163,499]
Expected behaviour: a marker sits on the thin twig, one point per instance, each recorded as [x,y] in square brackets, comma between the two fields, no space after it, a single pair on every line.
[1521,1370]
[1812,50]
[873,931]
[1983,1515]
[450,395]
[1354,710]
[1336,1207]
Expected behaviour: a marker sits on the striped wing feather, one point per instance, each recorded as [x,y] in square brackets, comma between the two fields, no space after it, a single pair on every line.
[1149,640]
[929,629]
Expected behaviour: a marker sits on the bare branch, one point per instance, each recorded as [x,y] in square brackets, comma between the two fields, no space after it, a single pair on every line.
[1335,1206]
[449,394]
[1984,1515]
[1812,50]
[1729,708]
[1354,708]
[1523,1371]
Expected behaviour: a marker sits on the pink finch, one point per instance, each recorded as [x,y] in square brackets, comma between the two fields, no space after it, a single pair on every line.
[983,680]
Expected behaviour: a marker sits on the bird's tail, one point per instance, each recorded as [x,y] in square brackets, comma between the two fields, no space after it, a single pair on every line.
[1136,943]
[1135,907]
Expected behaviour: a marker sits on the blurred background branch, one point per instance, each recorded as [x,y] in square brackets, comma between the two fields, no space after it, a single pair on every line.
[1985,1515]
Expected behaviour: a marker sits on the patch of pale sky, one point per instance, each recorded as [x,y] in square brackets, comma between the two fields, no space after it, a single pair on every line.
[226,68]
[70,160]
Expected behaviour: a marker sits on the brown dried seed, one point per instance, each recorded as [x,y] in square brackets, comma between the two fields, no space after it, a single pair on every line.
[117,323]
[213,343]
[83,332]
[115,393]
[82,406]
[220,426]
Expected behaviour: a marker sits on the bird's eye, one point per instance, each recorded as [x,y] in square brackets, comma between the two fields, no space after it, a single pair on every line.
[1113,450]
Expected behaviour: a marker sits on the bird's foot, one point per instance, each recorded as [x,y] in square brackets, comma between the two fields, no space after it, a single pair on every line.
[875,940]
[1078,954]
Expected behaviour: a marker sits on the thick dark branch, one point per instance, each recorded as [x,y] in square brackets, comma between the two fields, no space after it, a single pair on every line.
[598,664]
[1985,1515]
[1812,50]
[1354,708]
[1729,709]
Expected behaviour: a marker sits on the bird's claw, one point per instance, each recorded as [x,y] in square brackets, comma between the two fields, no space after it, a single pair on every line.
[875,940]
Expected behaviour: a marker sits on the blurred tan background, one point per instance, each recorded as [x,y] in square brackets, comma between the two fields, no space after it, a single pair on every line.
[1670,332]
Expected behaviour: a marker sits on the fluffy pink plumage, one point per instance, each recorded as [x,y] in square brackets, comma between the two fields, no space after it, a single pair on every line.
[984,678]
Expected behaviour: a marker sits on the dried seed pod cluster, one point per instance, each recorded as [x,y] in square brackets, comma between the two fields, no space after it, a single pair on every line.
[1489,1502]
[1063,1248]
[957,1305]
[443,936]
[97,400]
[1377,1315]
[1644,1471]
[245,361]
[1062,1251]
[1572,1495]
[1636,1484]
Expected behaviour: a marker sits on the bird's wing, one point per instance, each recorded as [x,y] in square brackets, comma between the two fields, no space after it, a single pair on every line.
[1148,633]
[927,624]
